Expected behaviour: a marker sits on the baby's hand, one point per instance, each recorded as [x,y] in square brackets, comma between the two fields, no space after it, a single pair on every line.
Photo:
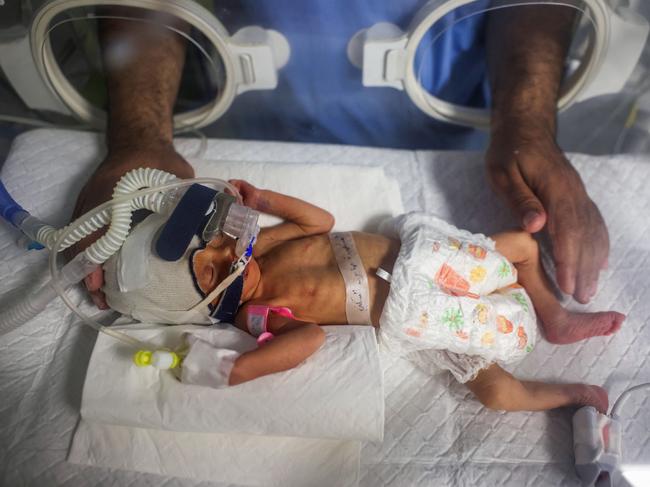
[249,193]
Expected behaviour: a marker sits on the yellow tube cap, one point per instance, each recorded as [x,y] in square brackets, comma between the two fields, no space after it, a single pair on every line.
[142,358]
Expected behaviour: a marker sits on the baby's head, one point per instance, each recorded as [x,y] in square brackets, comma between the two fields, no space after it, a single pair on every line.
[138,283]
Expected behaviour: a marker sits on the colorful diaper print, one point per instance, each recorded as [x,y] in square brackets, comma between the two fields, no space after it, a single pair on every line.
[452,292]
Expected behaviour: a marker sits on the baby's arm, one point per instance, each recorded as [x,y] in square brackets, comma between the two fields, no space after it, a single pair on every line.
[560,326]
[302,219]
[292,344]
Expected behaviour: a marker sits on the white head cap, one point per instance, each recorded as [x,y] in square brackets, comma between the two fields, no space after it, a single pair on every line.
[140,284]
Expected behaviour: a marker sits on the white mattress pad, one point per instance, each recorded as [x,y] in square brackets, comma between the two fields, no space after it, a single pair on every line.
[436,433]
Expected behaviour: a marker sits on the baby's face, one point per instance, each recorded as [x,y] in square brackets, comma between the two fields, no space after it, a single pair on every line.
[211,265]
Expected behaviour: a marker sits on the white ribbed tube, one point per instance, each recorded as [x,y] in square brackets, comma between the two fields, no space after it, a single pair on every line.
[48,235]
[100,251]
[119,216]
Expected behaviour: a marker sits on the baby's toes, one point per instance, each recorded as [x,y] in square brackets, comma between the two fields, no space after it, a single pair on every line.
[588,395]
[617,322]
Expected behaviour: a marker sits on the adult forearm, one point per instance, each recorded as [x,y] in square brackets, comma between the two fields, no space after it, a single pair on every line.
[143,63]
[527,46]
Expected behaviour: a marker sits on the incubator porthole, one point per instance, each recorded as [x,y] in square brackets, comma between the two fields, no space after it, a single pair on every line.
[462,93]
[77,61]
[74,41]
[606,46]
[459,35]
[65,44]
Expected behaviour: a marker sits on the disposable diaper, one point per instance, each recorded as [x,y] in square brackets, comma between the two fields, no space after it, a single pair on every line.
[454,299]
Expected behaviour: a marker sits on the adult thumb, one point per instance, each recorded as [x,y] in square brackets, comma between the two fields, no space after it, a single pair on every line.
[525,204]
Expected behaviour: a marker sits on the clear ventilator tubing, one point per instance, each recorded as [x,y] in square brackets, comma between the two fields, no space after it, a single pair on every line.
[26,309]
[73,272]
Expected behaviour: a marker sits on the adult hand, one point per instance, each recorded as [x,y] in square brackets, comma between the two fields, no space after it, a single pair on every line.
[542,188]
[99,189]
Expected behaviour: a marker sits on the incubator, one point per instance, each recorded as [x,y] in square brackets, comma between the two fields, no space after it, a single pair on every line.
[270,67]
[245,59]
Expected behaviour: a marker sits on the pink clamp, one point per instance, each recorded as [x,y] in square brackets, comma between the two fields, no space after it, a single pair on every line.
[257,319]
[265,338]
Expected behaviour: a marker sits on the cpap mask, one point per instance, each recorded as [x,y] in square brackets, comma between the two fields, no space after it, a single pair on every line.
[186,214]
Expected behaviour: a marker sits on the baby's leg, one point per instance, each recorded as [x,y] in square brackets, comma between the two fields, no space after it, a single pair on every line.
[497,389]
[560,325]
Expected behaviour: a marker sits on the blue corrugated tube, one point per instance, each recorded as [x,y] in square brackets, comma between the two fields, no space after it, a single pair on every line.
[9,209]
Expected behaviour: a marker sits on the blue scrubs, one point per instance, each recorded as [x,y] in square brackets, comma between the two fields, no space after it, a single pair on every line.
[320,97]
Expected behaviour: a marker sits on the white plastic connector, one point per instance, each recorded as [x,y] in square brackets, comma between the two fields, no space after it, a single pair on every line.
[257,54]
[380,52]
[162,359]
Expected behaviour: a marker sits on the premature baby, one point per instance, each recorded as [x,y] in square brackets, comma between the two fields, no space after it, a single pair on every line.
[440,296]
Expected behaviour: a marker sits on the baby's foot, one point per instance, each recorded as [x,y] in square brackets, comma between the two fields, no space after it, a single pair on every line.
[586,395]
[569,327]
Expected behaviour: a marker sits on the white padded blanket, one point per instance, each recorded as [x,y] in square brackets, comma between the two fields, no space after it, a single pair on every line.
[435,433]
[117,392]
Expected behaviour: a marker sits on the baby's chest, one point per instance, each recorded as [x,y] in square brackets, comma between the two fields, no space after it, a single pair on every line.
[315,294]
